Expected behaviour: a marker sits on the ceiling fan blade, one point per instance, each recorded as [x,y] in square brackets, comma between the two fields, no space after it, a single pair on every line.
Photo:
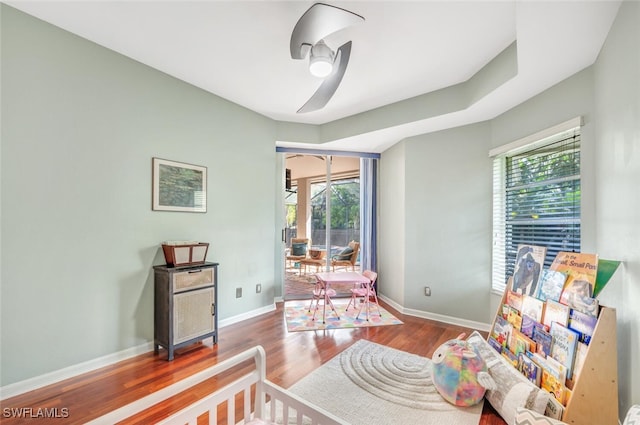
[331,83]
[319,21]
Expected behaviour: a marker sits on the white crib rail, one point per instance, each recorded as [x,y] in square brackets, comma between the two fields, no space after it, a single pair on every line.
[282,403]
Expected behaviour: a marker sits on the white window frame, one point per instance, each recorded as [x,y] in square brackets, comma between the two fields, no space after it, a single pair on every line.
[500,155]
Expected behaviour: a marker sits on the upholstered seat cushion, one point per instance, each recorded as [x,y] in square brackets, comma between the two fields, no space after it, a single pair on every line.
[345,254]
[299,249]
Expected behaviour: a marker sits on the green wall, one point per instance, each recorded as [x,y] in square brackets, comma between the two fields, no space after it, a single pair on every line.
[80,125]
[617,178]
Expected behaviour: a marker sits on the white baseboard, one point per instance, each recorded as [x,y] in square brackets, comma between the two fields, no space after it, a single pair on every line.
[438,317]
[49,378]
[248,315]
[36,382]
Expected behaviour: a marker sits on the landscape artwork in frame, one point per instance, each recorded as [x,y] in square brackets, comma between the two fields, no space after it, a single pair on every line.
[178,186]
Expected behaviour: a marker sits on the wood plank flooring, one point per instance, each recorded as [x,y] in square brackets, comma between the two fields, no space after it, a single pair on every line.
[290,356]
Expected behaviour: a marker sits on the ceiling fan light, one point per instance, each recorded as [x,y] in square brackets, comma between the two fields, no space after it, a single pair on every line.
[321,60]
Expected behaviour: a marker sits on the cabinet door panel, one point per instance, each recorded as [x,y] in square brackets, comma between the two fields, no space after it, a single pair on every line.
[193,314]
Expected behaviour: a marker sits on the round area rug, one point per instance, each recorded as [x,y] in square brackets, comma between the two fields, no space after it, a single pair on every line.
[396,376]
[371,384]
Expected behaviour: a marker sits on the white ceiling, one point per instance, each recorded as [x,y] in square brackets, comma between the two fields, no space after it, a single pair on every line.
[239,50]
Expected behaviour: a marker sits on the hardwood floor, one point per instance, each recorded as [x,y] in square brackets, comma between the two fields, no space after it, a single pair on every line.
[290,356]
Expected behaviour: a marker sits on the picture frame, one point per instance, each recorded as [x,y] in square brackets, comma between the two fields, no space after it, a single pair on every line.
[178,186]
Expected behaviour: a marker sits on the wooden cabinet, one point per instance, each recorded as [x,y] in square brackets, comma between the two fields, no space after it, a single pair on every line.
[185,306]
[594,398]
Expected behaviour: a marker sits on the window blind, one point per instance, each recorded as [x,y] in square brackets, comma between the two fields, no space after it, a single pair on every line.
[536,201]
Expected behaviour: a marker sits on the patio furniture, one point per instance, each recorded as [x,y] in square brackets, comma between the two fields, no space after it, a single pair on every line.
[347,258]
[299,249]
[317,258]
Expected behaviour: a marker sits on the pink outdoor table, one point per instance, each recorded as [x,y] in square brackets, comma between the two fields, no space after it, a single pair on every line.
[328,278]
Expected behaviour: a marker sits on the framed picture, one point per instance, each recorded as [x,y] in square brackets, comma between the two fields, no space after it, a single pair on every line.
[178,186]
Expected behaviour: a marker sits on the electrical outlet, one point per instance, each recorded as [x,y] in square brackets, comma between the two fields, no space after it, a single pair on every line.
[258,288]
[238,292]
[427,291]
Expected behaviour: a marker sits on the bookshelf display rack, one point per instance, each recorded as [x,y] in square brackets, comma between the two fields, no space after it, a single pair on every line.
[594,398]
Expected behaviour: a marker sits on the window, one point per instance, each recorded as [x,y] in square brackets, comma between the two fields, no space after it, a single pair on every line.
[536,200]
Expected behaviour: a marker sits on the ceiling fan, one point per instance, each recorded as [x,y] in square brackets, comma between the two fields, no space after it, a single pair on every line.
[317,23]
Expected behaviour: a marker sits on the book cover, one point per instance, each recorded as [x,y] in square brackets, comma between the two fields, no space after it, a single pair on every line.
[541,326]
[557,369]
[555,312]
[504,311]
[543,340]
[514,318]
[495,344]
[586,305]
[528,268]
[514,300]
[582,323]
[518,344]
[581,270]
[502,331]
[554,409]
[581,355]
[551,285]
[563,348]
[533,307]
[553,378]
[530,369]
[511,358]
[527,325]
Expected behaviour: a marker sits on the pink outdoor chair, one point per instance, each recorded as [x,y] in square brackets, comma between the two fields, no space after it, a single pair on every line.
[366,292]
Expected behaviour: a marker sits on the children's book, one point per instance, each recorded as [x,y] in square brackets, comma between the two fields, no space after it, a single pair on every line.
[528,268]
[514,318]
[531,306]
[586,305]
[581,270]
[581,355]
[527,325]
[495,344]
[563,349]
[553,378]
[504,311]
[530,369]
[518,343]
[543,340]
[502,331]
[555,312]
[511,358]
[582,323]
[514,300]
[551,285]
[554,409]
